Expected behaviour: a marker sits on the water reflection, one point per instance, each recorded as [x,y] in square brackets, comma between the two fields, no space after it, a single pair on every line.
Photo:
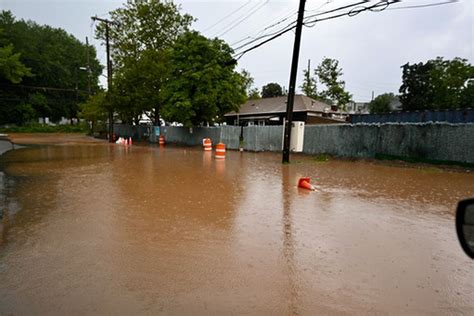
[289,242]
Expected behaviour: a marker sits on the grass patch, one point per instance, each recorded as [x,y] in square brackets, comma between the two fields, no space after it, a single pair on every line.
[39,128]
[321,158]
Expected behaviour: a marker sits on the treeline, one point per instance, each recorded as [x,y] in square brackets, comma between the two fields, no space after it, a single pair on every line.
[164,70]
[44,71]
[437,84]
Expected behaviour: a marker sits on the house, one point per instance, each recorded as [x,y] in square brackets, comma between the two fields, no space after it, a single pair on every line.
[272,111]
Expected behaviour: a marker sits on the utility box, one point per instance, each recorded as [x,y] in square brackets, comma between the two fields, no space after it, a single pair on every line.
[297,136]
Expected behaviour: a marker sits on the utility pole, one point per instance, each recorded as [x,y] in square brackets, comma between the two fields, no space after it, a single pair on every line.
[291,92]
[372,95]
[89,72]
[109,73]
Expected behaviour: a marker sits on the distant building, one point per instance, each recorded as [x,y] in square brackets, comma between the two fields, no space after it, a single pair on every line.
[272,111]
[363,107]
[357,107]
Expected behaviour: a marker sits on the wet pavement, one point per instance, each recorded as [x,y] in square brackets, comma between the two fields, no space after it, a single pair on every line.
[93,228]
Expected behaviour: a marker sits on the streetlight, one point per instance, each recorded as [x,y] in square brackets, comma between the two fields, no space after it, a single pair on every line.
[89,73]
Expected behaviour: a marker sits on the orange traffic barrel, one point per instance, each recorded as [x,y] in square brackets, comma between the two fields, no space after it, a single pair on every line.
[304,183]
[162,140]
[220,151]
[207,144]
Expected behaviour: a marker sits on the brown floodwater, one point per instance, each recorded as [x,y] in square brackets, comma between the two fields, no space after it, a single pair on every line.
[93,228]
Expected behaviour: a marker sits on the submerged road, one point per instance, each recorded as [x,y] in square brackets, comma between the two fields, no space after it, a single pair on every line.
[104,229]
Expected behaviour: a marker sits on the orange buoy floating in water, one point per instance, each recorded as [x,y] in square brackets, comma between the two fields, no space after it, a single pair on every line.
[304,183]
[207,144]
[220,151]
[162,140]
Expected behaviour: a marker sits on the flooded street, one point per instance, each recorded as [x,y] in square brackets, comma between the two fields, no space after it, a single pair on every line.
[93,228]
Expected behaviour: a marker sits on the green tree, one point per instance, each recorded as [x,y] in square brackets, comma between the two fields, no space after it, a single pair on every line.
[54,57]
[204,85]
[309,86]
[11,68]
[271,90]
[141,33]
[437,84]
[329,75]
[40,104]
[254,94]
[381,104]
[94,109]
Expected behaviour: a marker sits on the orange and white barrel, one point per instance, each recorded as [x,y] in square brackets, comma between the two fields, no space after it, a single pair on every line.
[220,151]
[207,144]
[162,140]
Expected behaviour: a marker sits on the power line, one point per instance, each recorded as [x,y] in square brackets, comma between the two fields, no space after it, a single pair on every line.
[380,6]
[424,5]
[257,8]
[264,42]
[282,19]
[263,36]
[44,88]
[228,15]
[338,9]
[290,27]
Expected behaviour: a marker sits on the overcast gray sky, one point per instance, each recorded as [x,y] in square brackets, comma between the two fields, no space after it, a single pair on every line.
[370,47]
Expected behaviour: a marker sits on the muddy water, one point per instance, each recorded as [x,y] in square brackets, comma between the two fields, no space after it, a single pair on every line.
[101,229]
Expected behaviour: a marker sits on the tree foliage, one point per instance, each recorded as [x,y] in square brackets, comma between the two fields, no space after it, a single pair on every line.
[203,84]
[309,86]
[11,68]
[95,109]
[381,104]
[53,57]
[271,90]
[140,34]
[437,84]
[329,75]
[254,94]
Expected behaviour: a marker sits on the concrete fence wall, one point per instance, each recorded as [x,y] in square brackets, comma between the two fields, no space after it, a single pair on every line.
[433,141]
[448,142]
[449,116]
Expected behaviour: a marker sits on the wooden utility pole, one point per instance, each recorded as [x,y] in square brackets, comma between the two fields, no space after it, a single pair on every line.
[109,73]
[89,72]
[291,92]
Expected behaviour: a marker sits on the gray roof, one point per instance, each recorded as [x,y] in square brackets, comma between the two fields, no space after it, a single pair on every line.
[278,105]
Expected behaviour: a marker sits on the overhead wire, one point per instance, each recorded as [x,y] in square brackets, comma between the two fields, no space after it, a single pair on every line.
[292,25]
[424,5]
[284,18]
[228,15]
[237,19]
[257,8]
[280,19]
[374,8]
